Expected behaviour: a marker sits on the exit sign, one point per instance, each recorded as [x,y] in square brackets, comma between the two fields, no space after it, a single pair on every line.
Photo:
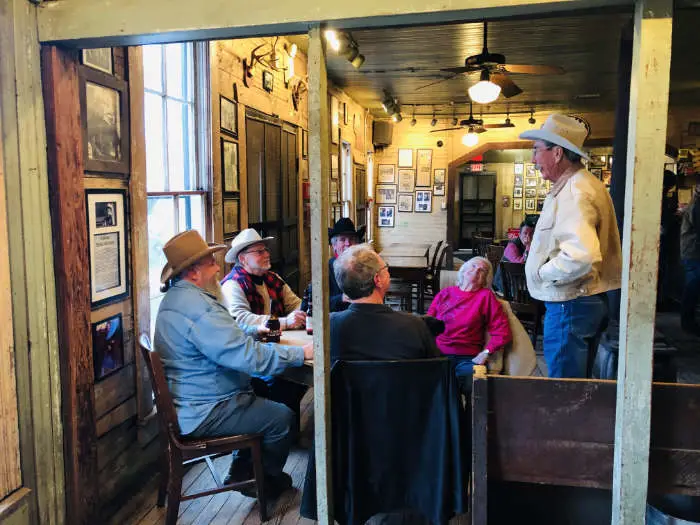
[476,167]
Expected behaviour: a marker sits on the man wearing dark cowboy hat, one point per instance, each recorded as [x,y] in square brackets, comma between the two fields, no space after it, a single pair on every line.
[208,361]
[341,236]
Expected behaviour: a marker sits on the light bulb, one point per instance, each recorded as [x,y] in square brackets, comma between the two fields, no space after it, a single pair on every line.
[470,139]
[293,50]
[413,121]
[484,92]
[433,122]
[332,38]
[396,117]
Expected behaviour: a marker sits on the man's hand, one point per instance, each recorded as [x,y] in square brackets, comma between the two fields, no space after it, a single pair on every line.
[295,319]
[263,330]
[481,358]
[308,351]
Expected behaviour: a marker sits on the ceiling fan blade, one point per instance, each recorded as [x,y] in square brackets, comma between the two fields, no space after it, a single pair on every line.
[508,87]
[446,129]
[436,82]
[478,129]
[498,126]
[460,70]
[534,70]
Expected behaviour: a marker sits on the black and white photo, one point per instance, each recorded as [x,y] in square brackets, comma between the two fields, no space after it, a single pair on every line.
[386,194]
[228,116]
[517,193]
[386,217]
[424,201]
[229,165]
[405,203]
[439,181]
[407,181]
[386,174]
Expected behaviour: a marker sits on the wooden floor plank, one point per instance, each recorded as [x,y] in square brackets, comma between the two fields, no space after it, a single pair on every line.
[202,482]
[206,481]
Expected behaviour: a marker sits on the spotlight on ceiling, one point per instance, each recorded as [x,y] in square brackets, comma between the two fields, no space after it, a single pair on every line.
[332,39]
[470,139]
[344,44]
[396,117]
[358,61]
[433,122]
[413,119]
[484,91]
[531,120]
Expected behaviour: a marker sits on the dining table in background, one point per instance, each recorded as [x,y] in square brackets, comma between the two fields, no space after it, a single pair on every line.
[301,374]
[405,249]
[411,269]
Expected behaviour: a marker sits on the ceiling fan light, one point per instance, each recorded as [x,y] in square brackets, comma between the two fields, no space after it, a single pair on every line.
[484,92]
[470,139]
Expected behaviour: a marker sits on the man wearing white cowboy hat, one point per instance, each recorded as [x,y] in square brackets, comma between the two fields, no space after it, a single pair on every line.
[575,256]
[208,361]
[252,292]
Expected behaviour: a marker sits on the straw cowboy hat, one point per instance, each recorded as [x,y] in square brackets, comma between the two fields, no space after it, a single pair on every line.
[240,242]
[183,250]
[563,131]
[345,226]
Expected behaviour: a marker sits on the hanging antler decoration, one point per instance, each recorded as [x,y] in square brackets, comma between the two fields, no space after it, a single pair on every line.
[266,58]
[299,86]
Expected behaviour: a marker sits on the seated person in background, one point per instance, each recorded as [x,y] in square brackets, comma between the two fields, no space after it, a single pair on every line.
[208,360]
[252,292]
[470,310]
[341,236]
[369,330]
[517,249]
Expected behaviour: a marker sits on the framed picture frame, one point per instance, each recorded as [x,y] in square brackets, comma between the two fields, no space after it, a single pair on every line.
[335,120]
[334,166]
[228,116]
[105,114]
[540,204]
[107,346]
[345,113]
[405,203]
[232,208]
[100,59]
[597,172]
[531,183]
[517,193]
[518,168]
[107,230]
[386,194]
[424,201]
[518,181]
[530,170]
[530,204]
[517,204]
[542,192]
[385,216]
[407,181]
[334,191]
[304,143]
[386,174]
[268,81]
[229,166]
[405,158]
[424,168]
[439,181]
[530,193]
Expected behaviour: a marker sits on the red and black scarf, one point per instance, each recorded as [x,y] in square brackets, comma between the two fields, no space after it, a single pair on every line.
[275,286]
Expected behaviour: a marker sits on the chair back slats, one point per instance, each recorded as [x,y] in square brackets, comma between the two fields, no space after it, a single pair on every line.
[435,282]
[435,253]
[164,401]
[479,245]
[515,284]
[494,254]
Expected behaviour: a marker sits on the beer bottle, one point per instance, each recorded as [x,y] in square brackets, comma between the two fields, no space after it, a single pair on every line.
[273,324]
[310,318]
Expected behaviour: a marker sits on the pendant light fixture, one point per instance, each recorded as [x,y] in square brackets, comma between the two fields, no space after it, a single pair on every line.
[532,120]
[433,122]
[470,139]
[413,120]
[484,91]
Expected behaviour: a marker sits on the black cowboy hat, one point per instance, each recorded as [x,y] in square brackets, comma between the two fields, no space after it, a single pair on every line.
[345,226]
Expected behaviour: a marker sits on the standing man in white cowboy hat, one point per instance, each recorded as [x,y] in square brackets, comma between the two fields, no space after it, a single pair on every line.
[252,291]
[209,359]
[575,256]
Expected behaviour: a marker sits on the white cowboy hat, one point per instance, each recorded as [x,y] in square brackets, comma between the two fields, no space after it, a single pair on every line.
[183,250]
[563,131]
[240,242]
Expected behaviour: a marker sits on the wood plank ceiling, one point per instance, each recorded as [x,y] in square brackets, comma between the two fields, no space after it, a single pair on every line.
[402,60]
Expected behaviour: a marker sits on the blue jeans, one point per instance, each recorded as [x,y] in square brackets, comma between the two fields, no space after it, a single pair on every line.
[248,414]
[464,370]
[691,291]
[570,328]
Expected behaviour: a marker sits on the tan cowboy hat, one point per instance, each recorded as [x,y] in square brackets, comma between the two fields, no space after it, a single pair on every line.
[240,242]
[183,250]
[563,131]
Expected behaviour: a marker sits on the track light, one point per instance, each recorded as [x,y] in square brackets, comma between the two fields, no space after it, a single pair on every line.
[433,122]
[343,44]
[413,120]
[358,61]
[396,117]
[532,120]
[332,39]
[484,91]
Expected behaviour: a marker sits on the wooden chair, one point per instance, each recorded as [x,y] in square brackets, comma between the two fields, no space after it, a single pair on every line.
[480,244]
[528,310]
[179,451]
[494,253]
[433,285]
[432,262]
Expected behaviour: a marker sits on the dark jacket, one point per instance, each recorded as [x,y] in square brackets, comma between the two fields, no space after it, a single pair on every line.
[690,231]
[335,299]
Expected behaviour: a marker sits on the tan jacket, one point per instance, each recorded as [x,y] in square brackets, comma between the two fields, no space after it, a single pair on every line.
[576,249]
[237,304]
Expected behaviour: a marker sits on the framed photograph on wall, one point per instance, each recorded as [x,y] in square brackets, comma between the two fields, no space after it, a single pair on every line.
[405,202]
[439,181]
[335,120]
[100,59]
[386,217]
[304,143]
[518,168]
[518,181]
[231,217]
[228,116]
[229,165]
[407,181]
[540,204]
[106,225]
[268,81]
[386,194]
[105,114]
[517,193]
[530,204]
[405,158]
[334,166]
[424,201]
[531,183]
[517,204]
[530,193]
[424,168]
[107,346]
[530,170]
[597,172]
[334,191]
[386,174]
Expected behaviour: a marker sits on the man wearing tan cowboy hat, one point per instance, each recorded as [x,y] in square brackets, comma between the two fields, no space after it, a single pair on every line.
[252,291]
[209,359]
[575,256]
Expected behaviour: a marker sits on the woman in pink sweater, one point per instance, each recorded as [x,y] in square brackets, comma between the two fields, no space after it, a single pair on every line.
[470,310]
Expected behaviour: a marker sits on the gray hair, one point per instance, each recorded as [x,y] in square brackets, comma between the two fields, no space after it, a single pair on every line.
[570,155]
[471,262]
[355,270]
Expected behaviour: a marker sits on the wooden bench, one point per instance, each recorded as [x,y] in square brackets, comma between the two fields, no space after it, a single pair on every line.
[562,432]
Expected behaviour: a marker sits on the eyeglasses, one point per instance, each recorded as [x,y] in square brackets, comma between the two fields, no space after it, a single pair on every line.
[536,150]
[380,269]
[259,251]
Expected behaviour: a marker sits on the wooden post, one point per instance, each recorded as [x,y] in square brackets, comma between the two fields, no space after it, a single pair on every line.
[651,61]
[479,422]
[318,174]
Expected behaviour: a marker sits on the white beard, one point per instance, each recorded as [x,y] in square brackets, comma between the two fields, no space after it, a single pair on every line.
[214,288]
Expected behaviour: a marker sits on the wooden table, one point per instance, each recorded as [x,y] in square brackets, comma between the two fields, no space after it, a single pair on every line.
[299,374]
[406,249]
[411,269]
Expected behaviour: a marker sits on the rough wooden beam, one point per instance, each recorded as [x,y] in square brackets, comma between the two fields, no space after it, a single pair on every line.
[318,174]
[88,22]
[651,62]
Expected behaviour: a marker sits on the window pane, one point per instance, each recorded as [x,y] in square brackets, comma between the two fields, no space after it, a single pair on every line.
[155,149]
[179,71]
[161,227]
[153,67]
[191,214]
[179,154]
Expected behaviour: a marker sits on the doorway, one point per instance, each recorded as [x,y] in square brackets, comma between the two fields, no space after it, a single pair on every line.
[477,206]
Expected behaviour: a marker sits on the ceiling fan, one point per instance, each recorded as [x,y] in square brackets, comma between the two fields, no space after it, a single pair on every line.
[506,124]
[473,125]
[493,67]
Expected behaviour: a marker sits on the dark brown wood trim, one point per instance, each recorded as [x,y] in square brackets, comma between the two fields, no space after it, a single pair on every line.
[13,502]
[66,193]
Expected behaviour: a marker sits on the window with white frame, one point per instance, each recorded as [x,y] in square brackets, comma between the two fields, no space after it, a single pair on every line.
[176,185]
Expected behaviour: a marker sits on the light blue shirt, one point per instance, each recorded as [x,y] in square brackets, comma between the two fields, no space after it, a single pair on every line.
[207,357]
